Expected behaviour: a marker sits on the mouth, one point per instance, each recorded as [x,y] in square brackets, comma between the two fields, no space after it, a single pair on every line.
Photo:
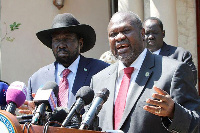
[122,48]
[62,52]
[151,42]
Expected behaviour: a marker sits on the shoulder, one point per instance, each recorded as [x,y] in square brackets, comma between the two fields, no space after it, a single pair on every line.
[182,54]
[44,69]
[169,48]
[93,62]
[178,53]
[107,71]
[175,67]
[99,62]
[180,49]
[177,49]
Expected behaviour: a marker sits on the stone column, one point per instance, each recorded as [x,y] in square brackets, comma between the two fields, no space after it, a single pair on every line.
[135,6]
[166,11]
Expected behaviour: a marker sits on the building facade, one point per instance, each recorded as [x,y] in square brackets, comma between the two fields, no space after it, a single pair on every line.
[26,54]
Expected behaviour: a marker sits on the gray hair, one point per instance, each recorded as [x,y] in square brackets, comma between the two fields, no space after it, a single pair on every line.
[134,18]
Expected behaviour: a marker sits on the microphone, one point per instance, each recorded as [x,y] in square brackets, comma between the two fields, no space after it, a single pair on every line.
[100,98]
[3,90]
[84,97]
[15,96]
[24,117]
[58,115]
[45,99]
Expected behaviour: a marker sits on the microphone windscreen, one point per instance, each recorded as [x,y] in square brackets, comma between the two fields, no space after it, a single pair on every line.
[59,114]
[86,93]
[51,85]
[104,94]
[3,90]
[16,93]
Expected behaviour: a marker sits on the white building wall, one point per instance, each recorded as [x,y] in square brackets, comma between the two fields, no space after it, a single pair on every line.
[26,54]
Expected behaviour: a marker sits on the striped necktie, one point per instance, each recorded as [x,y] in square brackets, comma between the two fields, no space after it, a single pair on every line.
[63,89]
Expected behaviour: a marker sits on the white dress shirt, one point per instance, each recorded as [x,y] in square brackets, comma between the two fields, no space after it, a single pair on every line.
[137,65]
[71,77]
[157,52]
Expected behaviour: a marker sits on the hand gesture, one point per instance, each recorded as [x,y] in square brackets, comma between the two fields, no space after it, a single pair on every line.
[162,104]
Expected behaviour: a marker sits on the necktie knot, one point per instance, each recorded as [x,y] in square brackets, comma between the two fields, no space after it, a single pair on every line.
[128,70]
[66,73]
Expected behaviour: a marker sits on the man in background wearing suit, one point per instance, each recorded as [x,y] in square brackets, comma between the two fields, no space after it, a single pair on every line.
[68,39]
[154,35]
[148,93]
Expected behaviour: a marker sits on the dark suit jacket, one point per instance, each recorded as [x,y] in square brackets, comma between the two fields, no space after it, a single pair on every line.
[86,69]
[170,75]
[179,54]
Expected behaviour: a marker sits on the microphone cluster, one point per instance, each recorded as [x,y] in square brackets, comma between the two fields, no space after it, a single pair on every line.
[46,110]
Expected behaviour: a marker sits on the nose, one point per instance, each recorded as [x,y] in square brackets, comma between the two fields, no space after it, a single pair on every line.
[61,45]
[150,37]
[120,36]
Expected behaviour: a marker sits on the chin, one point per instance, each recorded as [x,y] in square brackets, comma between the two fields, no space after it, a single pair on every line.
[61,59]
[127,58]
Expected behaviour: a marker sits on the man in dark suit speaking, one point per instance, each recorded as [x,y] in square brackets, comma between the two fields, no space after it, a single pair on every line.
[154,35]
[148,93]
[68,39]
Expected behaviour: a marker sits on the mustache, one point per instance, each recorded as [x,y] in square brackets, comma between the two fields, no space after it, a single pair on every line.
[122,42]
[62,50]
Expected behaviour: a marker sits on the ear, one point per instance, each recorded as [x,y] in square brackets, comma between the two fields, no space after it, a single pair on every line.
[143,34]
[163,33]
[81,43]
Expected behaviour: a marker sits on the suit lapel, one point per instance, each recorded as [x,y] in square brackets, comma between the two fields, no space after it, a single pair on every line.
[109,81]
[139,85]
[81,74]
[165,50]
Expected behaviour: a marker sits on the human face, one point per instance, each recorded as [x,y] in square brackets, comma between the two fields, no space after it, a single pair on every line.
[153,35]
[66,47]
[125,39]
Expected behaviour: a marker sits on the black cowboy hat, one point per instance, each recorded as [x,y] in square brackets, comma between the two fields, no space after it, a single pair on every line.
[67,22]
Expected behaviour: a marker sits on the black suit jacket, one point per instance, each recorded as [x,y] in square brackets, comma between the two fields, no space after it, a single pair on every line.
[86,69]
[179,54]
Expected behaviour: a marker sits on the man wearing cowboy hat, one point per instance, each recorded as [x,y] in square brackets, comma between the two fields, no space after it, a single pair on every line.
[67,38]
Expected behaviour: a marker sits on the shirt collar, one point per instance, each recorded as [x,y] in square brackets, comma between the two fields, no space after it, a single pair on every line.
[157,52]
[136,64]
[73,67]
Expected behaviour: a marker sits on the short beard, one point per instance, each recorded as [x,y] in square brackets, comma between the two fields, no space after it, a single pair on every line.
[67,61]
[127,59]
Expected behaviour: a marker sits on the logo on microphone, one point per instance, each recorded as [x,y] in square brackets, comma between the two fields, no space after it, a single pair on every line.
[5,124]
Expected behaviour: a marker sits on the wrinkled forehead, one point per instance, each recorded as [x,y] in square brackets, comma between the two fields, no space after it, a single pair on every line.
[119,21]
